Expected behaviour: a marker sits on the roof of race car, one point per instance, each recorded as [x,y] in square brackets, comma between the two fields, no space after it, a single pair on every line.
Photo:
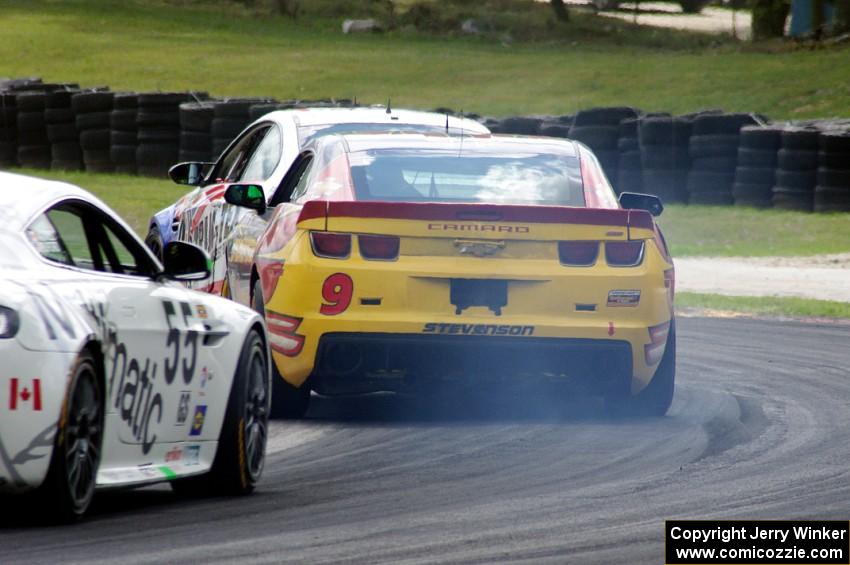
[495,144]
[21,197]
[323,116]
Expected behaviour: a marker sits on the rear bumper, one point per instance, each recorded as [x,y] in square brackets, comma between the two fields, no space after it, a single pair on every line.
[369,362]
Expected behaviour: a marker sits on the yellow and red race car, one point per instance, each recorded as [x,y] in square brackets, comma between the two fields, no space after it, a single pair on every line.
[397,260]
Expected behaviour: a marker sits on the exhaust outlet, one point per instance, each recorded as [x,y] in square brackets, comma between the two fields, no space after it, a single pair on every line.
[344,359]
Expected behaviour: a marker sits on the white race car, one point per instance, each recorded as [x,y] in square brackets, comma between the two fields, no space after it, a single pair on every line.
[111,374]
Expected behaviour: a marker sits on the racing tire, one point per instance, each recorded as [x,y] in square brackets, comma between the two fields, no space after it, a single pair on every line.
[86,102]
[92,120]
[654,400]
[71,477]
[834,160]
[722,124]
[797,160]
[829,199]
[755,175]
[761,138]
[154,242]
[125,101]
[196,116]
[31,101]
[785,198]
[122,137]
[711,198]
[756,157]
[57,133]
[555,130]
[606,116]
[800,139]
[596,137]
[123,119]
[236,107]
[715,164]
[288,402]
[227,127]
[59,115]
[798,180]
[713,145]
[834,141]
[241,452]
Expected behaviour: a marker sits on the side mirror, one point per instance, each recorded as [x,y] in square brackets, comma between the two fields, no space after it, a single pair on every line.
[246,195]
[191,174]
[637,201]
[185,262]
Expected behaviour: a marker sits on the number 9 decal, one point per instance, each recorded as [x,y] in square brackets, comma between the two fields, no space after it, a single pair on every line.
[336,292]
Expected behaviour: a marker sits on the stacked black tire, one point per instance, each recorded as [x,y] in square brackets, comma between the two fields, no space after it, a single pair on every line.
[66,154]
[755,175]
[713,150]
[195,131]
[664,156]
[91,110]
[599,129]
[556,126]
[832,193]
[797,171]
[158,119]
[123,132]
[630,169]
[8,129]
[230,117]
[33,145]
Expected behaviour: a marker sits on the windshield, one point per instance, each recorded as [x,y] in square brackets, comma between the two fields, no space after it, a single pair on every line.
[406,175]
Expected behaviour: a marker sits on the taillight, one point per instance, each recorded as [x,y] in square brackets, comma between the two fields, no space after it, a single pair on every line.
[382,247]
[670,284]
[331,245]
[578,253]
[653,351]
[623,253]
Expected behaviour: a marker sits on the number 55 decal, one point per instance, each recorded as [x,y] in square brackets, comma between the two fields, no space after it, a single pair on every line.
[336,292]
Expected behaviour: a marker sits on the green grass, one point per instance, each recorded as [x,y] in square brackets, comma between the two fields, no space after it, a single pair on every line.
[593,61]
[748,232]
[766,306]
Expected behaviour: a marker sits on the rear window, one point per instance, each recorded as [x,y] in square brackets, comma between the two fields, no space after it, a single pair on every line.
[443,176]
[309,133]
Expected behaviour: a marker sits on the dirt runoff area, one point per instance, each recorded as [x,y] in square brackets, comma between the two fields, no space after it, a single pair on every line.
[820,277]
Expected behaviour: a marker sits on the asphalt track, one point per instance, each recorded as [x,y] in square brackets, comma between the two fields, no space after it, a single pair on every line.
[760,428]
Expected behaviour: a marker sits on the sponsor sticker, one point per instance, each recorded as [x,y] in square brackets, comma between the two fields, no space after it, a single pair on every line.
[175,454]
[198,420]
[25,394]
[183,407]
[192,455]
[623,298]
[477,329]
[206,375]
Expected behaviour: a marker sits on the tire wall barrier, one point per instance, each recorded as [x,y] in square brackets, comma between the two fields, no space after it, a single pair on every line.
[709,157]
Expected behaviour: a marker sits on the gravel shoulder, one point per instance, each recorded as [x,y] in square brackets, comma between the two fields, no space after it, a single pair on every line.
[819,277]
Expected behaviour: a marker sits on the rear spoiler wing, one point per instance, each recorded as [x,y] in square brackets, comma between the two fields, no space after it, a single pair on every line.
[441,211]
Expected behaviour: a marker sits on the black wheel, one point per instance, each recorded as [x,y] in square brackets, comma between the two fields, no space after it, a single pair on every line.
[655,399]
[70,483]
[288,402]
[154,242]
[241,453]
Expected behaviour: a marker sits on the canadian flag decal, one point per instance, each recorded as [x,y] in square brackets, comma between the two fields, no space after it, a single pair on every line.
[23,393]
